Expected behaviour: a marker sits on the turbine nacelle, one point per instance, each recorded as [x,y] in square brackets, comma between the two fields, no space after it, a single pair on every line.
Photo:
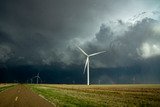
[89,54]
[37,77]
[87,61]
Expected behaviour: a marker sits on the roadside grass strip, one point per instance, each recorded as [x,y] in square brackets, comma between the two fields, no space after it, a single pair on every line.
[6,87]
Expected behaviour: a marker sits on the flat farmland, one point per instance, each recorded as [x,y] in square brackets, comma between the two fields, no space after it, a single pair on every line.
[139,95]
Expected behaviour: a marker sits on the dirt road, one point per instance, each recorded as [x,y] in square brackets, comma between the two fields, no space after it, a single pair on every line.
[21,96]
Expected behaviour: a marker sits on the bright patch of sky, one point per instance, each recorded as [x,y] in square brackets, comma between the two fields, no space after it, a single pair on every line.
[150,50]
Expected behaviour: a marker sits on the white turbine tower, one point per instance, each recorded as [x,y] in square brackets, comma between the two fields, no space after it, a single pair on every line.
[87,61]
[31,80]
[37,76]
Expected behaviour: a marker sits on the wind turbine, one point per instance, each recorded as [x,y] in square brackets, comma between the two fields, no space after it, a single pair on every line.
[31,80]
[87,61]
[37,76]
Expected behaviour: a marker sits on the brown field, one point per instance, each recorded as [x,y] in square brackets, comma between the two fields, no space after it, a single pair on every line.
[138,95]
[49,95]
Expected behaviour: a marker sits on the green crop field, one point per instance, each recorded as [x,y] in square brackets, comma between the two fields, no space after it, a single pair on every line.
[144,95]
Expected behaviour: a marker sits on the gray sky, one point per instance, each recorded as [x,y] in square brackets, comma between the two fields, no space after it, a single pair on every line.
[40,36]
[44,32]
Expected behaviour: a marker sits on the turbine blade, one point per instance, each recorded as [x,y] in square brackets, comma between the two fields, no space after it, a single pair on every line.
[82,50]
[85,65]
[97,53]
[40,79]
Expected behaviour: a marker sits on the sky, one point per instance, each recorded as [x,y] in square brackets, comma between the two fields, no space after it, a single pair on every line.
[38,36]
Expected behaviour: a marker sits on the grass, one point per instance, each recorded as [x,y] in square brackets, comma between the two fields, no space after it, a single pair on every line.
[5,86]
[100,95]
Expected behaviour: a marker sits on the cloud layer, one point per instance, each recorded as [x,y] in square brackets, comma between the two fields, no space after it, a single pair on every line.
[41,36]
[44,33]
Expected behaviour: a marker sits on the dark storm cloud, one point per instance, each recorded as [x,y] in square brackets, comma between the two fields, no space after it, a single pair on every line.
[39,32]
[133,44]
[5,53]
[35,29]
[40,36]
[4,38]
